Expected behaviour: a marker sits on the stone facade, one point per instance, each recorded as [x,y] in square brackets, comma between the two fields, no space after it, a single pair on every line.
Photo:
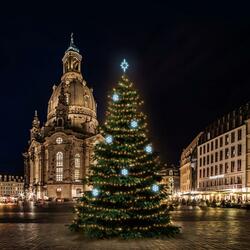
[188,168]
[11,186]
[171,178]
[59,153]
[223,158]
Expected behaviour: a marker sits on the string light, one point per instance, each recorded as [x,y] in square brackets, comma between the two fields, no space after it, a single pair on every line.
[126,200]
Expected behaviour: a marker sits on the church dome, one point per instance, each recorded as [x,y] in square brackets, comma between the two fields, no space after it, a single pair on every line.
[79,98]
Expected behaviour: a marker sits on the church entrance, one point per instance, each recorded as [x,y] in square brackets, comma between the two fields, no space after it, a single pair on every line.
[59,193]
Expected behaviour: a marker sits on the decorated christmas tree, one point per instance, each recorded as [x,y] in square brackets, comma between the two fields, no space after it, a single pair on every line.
[126,197]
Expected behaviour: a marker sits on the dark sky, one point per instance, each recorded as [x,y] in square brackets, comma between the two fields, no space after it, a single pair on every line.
[190,63]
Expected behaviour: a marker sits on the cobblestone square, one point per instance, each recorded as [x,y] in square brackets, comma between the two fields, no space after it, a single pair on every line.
[47,229]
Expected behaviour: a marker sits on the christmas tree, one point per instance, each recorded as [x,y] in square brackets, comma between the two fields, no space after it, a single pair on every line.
[126,197]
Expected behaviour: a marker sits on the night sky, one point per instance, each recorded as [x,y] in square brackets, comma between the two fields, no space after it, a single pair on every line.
[190,64]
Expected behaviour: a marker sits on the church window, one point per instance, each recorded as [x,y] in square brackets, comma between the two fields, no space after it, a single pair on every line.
[77,166]
[59,174]
[59,166]
[75,64]
[59,140]
[59,159]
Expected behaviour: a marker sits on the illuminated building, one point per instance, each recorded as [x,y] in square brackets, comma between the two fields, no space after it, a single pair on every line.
[12,186]
[188,168]
[223,158]
[59,153]
[171,178]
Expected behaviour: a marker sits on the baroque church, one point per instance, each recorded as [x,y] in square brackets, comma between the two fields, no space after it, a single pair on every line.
[59,153]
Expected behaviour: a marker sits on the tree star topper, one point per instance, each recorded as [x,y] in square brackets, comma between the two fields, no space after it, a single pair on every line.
[124,65]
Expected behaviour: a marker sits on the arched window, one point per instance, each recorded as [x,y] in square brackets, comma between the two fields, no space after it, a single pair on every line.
[77,166]
[59,166]
[59,159]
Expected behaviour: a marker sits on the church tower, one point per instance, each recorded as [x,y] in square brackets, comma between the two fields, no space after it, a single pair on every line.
[59,153]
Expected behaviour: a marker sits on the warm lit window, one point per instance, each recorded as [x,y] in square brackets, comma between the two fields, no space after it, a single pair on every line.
[77,166]
[59,174]
[77,174]
[59,159]
[67,98]
[59,140]
[59,166]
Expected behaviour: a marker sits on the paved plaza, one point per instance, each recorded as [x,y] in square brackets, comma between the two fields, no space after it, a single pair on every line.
[201,229]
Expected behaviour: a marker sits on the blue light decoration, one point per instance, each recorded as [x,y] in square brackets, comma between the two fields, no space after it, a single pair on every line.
[115,97]
[148,149]
[95,192]
[109,139]
[124,172]
[155,188]
[124,65]
[134,124]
